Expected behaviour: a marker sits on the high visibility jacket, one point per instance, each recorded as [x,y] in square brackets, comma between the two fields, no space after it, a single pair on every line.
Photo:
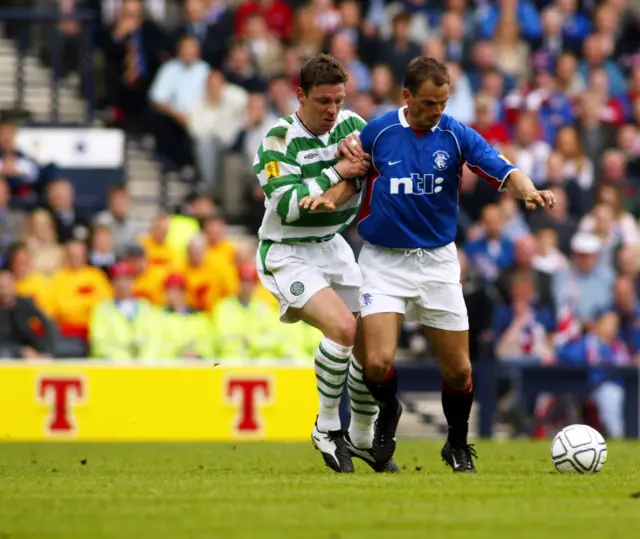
[250,331]
[75,294]
[298,341]
[114,336]
[182,229]
[187,335]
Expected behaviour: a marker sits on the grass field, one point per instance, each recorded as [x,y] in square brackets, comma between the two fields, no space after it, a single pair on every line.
[255,490]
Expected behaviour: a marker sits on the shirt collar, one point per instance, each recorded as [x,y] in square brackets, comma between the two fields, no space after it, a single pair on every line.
[403,119]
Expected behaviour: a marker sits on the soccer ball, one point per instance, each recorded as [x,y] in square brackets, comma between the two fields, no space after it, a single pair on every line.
[578,449]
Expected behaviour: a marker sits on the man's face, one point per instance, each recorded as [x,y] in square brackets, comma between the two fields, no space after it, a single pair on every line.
[123,287]
[131,9]
[322,106]
[119,204]
[137,263]
[522,290]
[257,107]
[585,262]
[76,255]
[427,105]
[21,263]
[174,296]
[60,195]
[201,207]
[196,252]
[7,136]
[160,229]
[525,251]
[189,50]
[526,129]
[194,9]
[492,221]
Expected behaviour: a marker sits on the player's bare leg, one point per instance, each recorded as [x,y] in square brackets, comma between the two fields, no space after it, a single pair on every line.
[381,340]
[364,410]
[327,312]
[451,349]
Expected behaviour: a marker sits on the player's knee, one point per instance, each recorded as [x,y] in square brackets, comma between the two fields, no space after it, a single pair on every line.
[377,365]
[343,330]
[458,376]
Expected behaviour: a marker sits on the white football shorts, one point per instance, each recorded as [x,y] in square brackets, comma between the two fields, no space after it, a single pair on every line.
[295,272]
[422,284]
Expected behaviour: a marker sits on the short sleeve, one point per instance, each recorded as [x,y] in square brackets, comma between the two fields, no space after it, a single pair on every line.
[483,159]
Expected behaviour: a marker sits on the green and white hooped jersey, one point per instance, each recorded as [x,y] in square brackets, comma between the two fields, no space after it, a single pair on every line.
[293,163]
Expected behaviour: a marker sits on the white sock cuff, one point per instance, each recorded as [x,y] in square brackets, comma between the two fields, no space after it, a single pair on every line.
[331,348]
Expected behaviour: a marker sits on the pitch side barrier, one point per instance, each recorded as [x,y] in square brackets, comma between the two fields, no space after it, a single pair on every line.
[208,400]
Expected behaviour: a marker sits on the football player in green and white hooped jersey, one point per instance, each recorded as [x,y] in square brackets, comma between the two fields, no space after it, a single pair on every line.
[305,262]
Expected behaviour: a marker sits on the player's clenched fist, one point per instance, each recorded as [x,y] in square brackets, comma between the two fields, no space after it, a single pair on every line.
[539,199]
[351,169]
[351,149]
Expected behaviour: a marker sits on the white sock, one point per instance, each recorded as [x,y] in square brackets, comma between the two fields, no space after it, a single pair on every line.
[364,409]
[331,365]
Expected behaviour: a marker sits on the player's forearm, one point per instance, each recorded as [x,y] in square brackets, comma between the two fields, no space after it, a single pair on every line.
[341,192]
[519,184]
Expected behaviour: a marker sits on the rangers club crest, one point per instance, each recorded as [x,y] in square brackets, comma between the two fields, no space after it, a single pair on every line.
[440,159]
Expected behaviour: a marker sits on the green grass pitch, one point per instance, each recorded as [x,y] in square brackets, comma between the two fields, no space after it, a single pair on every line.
[282,491]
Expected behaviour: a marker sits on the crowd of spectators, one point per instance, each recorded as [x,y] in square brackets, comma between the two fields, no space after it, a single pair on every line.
[103,286]
[554,84]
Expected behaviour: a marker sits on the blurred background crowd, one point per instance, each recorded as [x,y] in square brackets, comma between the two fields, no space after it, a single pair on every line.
[555,84]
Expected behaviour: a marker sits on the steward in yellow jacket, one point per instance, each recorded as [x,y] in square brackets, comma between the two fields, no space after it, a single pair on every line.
[246,327]
[207,280]
[298,341]
[156,249]
[126,328]
[76,289]
[30,284]
[186,333]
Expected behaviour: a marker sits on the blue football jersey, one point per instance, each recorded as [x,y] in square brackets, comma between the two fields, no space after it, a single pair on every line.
[411,193]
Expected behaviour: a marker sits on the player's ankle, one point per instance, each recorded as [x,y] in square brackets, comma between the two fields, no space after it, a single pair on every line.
[457,436]
[362,439]
[328,420]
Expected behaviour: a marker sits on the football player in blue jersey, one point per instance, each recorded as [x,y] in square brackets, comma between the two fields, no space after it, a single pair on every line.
[409,261]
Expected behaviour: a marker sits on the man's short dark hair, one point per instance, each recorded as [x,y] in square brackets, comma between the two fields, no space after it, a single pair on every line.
[321,69]
[424,68]
[13,249]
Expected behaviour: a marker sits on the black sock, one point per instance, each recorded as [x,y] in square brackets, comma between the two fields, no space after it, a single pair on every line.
[384,392]
[457,409]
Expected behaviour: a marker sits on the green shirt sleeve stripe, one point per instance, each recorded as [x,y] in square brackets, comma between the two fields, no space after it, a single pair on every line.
[278,131]
[282,208]
[266,156]
[276,183]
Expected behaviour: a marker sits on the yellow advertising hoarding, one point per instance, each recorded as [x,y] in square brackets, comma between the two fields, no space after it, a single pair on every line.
[100,402]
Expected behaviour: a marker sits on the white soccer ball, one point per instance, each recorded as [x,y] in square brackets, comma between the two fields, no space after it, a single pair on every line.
[578,449]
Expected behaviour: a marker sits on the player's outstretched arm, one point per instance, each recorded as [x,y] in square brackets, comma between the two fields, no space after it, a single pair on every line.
[486,161]
[332,198]
[521,187]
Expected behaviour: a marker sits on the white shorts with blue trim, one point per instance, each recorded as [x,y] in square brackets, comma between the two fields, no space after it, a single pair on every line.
[421,284]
